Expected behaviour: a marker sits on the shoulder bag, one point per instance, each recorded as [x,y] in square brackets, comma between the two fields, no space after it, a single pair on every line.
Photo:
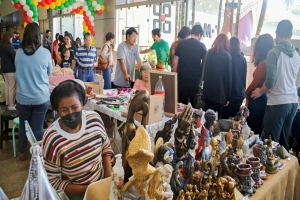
[199,101]
[103,64]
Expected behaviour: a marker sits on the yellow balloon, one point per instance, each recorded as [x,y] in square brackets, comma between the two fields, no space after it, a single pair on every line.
[35,2]
[81,12]
[85,28]
[102,7]
[52,5]
[25,24]
[83,23]
[63,1]
[95,9]
[46,7]
[57,3]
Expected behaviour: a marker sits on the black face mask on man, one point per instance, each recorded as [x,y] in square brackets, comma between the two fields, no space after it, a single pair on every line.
[72,120]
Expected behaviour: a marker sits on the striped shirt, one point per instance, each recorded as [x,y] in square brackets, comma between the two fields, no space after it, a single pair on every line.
[76,158]
[86,58]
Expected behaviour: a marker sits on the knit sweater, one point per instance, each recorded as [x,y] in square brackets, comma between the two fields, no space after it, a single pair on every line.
[76,158]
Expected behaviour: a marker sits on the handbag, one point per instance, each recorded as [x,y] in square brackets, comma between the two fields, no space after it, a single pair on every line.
[103,64]
[199,102]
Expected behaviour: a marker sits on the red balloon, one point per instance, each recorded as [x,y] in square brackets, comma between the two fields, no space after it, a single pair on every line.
[18,5]
[43,3]
[99,12]
[93,33]
[25,13]
[48,2]
[78,10]
[53,0]
[88,23]
[28,19]
[85,18]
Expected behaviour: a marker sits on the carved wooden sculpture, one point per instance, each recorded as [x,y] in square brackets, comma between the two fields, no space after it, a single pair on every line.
[167,131]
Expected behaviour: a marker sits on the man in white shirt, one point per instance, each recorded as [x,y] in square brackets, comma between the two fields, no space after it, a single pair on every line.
[127,54]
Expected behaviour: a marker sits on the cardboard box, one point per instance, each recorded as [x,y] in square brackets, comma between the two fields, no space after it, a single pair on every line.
[155,110]
[96,86]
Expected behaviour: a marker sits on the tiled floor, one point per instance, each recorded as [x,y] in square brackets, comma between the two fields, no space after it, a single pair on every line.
[13,172]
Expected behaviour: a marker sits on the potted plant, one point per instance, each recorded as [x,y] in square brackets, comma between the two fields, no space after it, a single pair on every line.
[161,64]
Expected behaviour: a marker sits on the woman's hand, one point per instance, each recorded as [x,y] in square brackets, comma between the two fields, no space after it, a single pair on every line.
[256,93]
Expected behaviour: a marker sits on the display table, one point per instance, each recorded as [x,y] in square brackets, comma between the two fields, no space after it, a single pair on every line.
[55,80]
[284,185]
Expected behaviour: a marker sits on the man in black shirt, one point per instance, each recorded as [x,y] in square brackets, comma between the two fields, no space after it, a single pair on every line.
[187,61]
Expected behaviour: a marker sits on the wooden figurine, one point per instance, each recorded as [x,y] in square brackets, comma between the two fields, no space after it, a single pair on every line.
[167,131]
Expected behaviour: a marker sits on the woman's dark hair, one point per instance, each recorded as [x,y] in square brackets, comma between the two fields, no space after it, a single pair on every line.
[69,35]
[184,32]
[6,40]
[31,38]
[109,36]
[61,38]
[56,35]
[235,46]
[64,90]
[263,45]
[78,40]
[221,42]
[156,32]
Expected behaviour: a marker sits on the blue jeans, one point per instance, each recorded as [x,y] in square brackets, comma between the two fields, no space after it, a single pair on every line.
[74,71]
[86,75]
[107,77]
[35,115]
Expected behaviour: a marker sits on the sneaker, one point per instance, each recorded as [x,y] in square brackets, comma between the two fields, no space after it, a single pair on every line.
[12,108]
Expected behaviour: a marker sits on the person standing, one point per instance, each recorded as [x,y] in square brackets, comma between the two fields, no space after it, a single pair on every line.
[187,61]
[239,76]
[16,41]
[55,44]
[218,75]
[184,33]
[282,81]
[7,55]
[68,43]
[161,47]
[78,42]
[257,107]
[127,54]
[106,52]
[47,40]
[33,66]
[85,57]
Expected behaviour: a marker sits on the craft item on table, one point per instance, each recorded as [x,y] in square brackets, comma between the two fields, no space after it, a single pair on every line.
[272,161]
[215,152]
[56,71]
[239,151]
[162,154]
[167,131]
[226,186]
[245,136]
[228,162]
[67,71]
[211,188]
[229,137]
[256,166]
[197,114]
[37,185]
[182,132]
[177,179]
[244,172]
[196,176]
[117,179]
[167,192]
[263,175]
[138,103]
[259,150]
[30,136]
[210,117]
[112,93]
[125,91]
[282,153]
[281,165]
[147,180]
[181,195]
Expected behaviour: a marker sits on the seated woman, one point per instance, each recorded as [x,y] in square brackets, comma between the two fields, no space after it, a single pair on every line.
[142,82]
[76,148]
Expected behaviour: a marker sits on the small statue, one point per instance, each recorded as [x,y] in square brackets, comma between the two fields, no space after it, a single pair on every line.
[210,117]
[183,131]
[163,154]
[229,138]
[196,176]
[226,186]
[190,190]
[181,195]
[211,188]
[240,145]
[272,161]
[138,103]
[176,182]
[215,150]
[245,136]
[206,152]
[167,131]
[228,162]
[196,115]
[167,193]
[244,172]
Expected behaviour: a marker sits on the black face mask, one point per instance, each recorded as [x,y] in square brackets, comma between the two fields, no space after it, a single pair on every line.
[72,120]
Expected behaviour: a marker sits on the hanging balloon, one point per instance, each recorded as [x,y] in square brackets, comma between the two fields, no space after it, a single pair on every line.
[22,2]
[46,7]
[88,13]
[52,5]
[102,7]
[29,2]
[25,24]
[17,5]
[29,13]
[85,8]
[27,19]
[88,23]
[62,6]
[98,7]
[33,8]
[16,1]
[34,3]
[100,2]
[91,18]
[57,3]
[48,2]
[99,12]
[66,4]
[35,19]
[94,3]
[43,3]
[26,8]
[89,3]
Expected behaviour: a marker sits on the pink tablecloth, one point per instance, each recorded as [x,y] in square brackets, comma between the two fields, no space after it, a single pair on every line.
[55,80]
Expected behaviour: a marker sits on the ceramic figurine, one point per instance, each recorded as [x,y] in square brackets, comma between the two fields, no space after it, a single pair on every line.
[163,154]
[272,161]
[239,152]
[256,166]
[244,172]
[176,180]
[229,138]
[183,131]
[206,152]
[167,193]
[196,176]
[215,150]
[138,103]
[146,179]
[245,136]
[226,185]
[259,151]
[167,131]
[210,117]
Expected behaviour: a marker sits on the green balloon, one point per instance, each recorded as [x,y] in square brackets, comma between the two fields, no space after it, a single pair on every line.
[100,2]
[88,3]
[83,32]
[16,1]
[66,4]
[0,2]
[29,2]
[62,6]
[33,8]
[93,13]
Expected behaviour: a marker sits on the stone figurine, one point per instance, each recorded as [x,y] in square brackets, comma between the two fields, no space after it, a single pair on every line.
[167,131]
[182,132]
[272,161]
[138,103]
